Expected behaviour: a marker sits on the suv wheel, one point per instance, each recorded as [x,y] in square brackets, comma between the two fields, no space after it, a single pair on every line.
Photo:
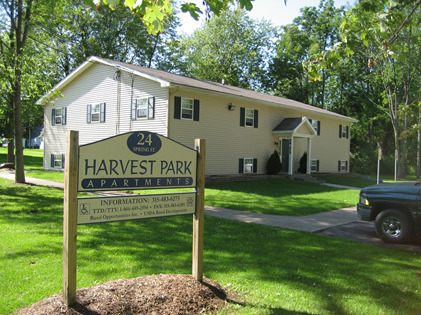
[393,226]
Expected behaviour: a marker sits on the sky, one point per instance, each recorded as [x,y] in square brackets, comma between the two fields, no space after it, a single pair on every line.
[274,11]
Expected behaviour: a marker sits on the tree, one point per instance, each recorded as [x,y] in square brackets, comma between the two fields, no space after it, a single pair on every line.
[312,33]
[230,48]
[390,40]
[155,12]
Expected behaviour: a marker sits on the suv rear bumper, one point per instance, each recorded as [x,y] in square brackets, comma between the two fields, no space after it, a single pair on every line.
[364,212]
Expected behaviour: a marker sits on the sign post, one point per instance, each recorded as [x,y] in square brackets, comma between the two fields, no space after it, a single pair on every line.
[134,160]
[198,218]
[69,217]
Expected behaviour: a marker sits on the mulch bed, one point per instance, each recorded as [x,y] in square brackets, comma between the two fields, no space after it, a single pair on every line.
[157,294]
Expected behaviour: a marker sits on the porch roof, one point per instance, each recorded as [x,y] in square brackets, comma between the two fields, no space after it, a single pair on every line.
[295,126]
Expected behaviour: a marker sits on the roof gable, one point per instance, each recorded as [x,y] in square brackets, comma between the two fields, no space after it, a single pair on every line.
[295,126]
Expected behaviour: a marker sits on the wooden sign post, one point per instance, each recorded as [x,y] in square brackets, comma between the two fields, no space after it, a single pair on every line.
[70,217]
[198,218]
[135,160]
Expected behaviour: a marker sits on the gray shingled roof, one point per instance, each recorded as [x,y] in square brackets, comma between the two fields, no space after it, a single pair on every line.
[171,79]
[176,79]
[289,124]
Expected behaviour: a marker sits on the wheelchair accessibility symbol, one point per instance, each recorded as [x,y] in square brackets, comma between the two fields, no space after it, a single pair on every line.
[84,208]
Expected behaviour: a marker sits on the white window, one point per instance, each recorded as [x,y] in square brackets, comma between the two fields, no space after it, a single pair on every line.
[187,106]
[314,165]
[96,112]
[249,117]
[343,166]
[248,165]
[142,108]
[59,116]
[316,126]
[343,131]
[57,160]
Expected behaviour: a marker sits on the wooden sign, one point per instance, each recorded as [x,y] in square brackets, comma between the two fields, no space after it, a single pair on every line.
[136,160]
[130,161]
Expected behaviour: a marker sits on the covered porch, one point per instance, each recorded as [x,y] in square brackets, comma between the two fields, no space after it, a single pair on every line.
[294,137]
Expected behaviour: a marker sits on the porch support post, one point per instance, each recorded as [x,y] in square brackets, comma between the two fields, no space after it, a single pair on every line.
[291,156]
[308,156]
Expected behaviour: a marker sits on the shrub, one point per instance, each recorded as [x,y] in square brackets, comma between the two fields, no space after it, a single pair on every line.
[274,165]
[302,169]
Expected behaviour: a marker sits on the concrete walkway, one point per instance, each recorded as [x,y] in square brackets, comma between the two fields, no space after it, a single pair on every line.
[309,223]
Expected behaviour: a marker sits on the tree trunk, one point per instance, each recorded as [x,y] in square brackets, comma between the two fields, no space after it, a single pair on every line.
[419,145]
[19,166]
[10,135]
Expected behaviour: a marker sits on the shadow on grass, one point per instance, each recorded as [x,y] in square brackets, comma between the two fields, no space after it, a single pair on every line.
[275,269]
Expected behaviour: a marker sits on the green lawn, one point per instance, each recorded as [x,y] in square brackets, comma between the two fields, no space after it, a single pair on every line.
[279,196]
[32,157]
[275,271]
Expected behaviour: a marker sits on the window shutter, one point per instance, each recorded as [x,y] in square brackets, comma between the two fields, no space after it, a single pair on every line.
[64,117]
[52,160]
[102,113]
[242,116]
[53,117]
[347,129]
[318,130]
[177,107]
[346,166]
[134,106]
[339,166]
[255,165]
[196,110]
[340,131]
[151,107]
[62,161]
[88,111]
[317,165]
[241,166]
[256,118]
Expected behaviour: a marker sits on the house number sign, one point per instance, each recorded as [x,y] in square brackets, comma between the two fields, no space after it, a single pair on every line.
[136,160]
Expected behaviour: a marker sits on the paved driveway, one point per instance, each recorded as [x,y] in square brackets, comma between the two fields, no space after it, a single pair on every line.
[363,231]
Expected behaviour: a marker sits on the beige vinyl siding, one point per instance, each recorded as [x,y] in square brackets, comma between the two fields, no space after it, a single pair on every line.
[328,148]
[98,84]
[226,140]
[143,88]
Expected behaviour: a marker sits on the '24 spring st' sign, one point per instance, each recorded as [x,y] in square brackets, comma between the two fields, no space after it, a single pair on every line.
[136,160]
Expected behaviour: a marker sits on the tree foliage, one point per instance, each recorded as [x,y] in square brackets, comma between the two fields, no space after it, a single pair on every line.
[231,47]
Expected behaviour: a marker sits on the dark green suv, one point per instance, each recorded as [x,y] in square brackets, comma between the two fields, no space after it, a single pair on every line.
[395,208]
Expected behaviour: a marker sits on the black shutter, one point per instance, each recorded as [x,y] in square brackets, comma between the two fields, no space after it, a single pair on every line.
[317,165]
[177,107]
[242,116]
[346,166]
[102,113]
[134,106]
[64,115]
[318,127]
[241,166]
[88,113]
[256,118]
[347,129]
[254,165]
[196,110]
[340,131]
[62,161]
[339,166]
[53,117]
[52,160]
[151,107]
